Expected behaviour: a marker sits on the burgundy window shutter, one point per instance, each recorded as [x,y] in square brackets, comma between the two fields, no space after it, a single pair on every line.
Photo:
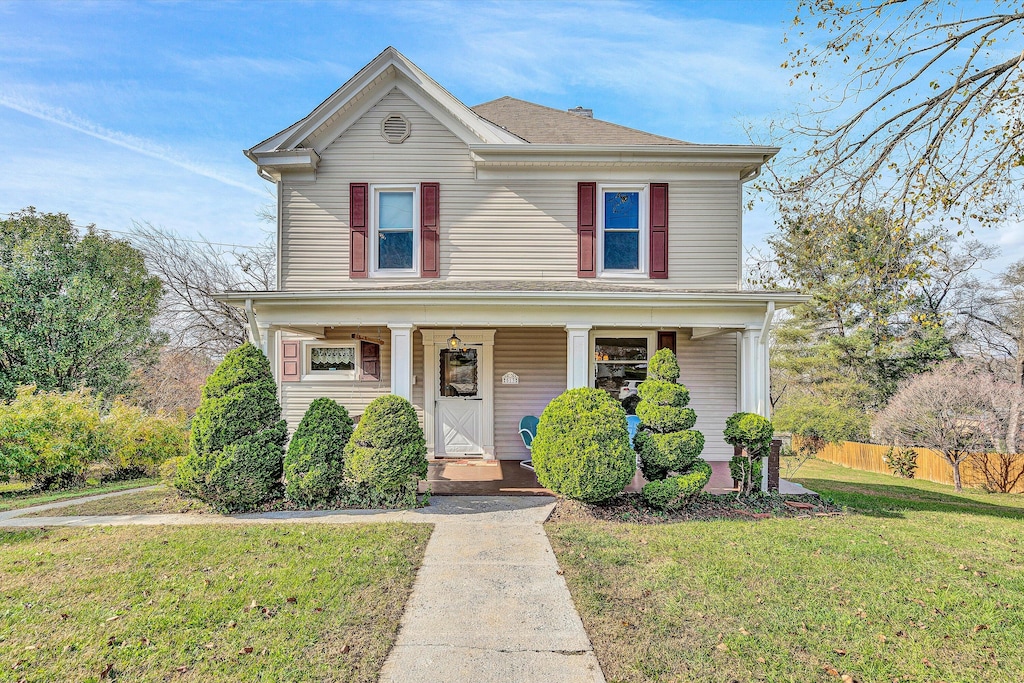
[369,360]
[667,340]
[358,236]
[430,243]
[291,361]
[659,231]
[586,229]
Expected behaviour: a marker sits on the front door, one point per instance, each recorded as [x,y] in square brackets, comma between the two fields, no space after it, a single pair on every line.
[459,404]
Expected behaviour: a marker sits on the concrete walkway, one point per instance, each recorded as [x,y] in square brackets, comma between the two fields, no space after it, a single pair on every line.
[488,603]
[68,502]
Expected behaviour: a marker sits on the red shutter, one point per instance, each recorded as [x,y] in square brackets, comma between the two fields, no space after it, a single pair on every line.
[369,360]
[586,229]
[358,236]
[430,247]
[667,340]
[291,361]
[659,231]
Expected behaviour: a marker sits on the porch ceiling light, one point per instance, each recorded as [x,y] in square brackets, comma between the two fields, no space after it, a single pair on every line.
[454,343]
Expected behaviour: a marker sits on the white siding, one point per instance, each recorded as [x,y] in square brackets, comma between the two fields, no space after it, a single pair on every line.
[514,229]
[708,369]
[538,356]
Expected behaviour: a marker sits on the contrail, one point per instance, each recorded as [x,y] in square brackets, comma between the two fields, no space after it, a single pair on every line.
[65,118]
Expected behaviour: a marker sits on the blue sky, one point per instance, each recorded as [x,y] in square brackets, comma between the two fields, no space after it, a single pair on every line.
[114,112]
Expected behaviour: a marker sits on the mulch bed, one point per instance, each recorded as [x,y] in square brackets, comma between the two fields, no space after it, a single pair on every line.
[629,507]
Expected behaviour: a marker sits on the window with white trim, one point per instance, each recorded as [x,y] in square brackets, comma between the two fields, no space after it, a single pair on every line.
[395,224]
[620,361]
[338,361]
[622,230]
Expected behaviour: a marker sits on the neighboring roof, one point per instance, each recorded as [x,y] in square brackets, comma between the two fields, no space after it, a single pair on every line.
[543,125]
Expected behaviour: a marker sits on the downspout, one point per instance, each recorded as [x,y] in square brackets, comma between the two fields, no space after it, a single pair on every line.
[254,330]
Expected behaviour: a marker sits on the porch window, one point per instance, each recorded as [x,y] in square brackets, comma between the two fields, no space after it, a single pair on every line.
[622,221]
[338,361]
[395,221]
[620,364]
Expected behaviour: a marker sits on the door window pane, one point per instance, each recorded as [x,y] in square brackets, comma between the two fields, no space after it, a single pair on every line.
[459,373]
[620,364]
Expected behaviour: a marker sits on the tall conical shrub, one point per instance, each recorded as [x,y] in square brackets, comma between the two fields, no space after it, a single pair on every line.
[387,455]
[236,452]
[315,464]
[669,449]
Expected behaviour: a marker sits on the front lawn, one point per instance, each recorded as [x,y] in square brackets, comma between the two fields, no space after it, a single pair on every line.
[210,603]
[164,500]
[14,496]
[918,584]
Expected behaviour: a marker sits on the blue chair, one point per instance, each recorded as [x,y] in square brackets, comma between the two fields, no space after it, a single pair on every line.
[528,431]
[632,423]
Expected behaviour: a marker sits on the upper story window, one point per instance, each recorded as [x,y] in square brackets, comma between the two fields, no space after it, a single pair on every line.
[395,222]
[622,233]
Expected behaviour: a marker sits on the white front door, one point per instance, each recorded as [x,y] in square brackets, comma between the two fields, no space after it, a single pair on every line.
[458,403]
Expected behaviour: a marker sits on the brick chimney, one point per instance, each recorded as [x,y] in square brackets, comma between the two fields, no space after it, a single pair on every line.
[580,111]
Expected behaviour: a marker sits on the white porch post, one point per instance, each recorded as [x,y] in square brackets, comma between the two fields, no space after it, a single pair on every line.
[578,358]
[750,371]
[401,360]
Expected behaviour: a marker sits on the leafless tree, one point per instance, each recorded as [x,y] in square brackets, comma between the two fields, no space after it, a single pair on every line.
[995,315]
[192,272]
[950,410]
[916,105]
[175,382]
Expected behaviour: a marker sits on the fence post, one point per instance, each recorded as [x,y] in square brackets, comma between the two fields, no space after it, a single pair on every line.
[773,465]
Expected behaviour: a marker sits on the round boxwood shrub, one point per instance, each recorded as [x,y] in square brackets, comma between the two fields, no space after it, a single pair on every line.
[582,446]
[236,450]
[387,454]
[668,448]
[314,466]
[754,434]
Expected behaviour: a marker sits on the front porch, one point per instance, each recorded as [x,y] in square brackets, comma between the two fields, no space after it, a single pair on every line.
[476,477]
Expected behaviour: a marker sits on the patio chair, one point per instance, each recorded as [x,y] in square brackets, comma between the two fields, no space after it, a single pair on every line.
[528,430]
[632,423]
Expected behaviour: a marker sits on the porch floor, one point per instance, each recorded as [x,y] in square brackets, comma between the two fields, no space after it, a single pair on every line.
[469,477]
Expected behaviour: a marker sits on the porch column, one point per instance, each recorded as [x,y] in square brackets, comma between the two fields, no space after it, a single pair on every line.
[401,360]
[753,373]
[578,359]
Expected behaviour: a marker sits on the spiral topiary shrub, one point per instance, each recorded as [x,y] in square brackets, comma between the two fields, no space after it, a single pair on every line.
[754,434]
[387,454]
[236,450]
[668,447]
[314,466]
[582,446]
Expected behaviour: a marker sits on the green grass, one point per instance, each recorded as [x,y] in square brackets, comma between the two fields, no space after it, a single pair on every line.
[917,584]
[210,603]
[16,495]
[164,500]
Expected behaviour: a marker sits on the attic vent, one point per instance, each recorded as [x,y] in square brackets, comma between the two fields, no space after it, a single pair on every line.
[395,128]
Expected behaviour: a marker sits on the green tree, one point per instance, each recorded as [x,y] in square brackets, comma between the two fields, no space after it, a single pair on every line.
[75,309]
[867,325]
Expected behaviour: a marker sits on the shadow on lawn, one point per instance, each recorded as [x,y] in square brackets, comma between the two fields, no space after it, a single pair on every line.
[888,500]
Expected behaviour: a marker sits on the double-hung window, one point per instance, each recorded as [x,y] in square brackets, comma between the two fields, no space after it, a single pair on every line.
[395,242]
[622,213]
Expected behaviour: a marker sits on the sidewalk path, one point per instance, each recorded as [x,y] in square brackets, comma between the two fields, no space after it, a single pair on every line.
[68,502]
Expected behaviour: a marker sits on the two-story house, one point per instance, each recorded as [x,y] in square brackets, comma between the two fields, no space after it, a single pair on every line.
[480,260]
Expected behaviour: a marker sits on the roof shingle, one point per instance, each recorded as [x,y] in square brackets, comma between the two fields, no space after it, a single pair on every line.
[543,125]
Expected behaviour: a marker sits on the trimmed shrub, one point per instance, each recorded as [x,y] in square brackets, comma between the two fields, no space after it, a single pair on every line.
[582,446]
[754,434]
[668,448]
[387,454]
[314,466]
[138,442]
[49,438]
[236,452]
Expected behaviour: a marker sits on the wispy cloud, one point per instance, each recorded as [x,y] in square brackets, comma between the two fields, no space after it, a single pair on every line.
[63,117]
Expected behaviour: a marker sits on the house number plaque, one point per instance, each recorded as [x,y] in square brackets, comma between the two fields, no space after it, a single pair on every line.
[510,378]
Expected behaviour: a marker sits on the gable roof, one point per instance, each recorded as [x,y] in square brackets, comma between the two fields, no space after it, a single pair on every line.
[538,124]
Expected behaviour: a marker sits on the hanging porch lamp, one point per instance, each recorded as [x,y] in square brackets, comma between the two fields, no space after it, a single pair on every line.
[454,343]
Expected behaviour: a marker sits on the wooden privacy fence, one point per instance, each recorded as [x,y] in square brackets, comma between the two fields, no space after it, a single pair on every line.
[931,466]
